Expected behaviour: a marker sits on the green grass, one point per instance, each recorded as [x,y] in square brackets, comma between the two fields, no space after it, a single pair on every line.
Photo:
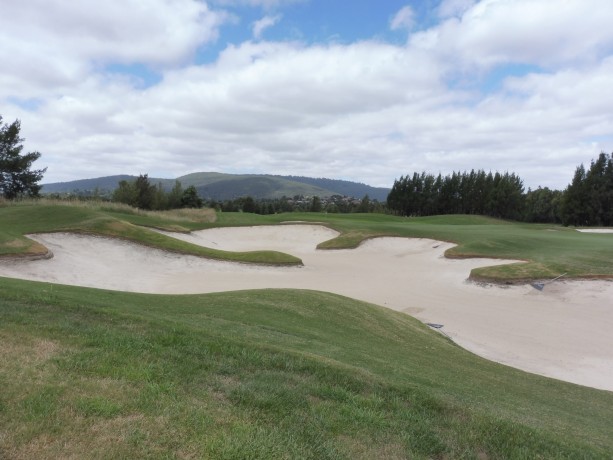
[116,222]
[547,250]
[266,374]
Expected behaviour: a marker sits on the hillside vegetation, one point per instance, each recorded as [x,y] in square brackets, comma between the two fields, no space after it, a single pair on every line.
[220,186]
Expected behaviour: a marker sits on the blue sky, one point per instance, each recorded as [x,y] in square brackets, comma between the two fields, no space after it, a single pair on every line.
[361,90]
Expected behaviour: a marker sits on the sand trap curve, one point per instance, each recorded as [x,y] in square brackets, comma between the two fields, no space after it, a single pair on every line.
[563,331]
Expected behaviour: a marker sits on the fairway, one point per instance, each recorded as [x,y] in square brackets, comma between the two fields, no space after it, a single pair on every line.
[514,325]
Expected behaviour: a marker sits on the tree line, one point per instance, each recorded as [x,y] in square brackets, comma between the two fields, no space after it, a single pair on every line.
[587,201]
[476,192]
[141,193]
[300,203]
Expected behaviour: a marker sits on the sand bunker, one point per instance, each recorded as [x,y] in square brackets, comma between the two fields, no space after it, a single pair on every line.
[595,230]
[563,331]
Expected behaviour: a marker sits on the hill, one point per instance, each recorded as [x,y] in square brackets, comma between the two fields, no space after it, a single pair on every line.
[220,186]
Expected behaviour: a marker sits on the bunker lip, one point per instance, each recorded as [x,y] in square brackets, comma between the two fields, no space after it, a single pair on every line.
[515,325]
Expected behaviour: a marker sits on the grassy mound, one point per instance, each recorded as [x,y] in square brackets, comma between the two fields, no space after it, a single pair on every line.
[547,250]
[114,221]
[266,374]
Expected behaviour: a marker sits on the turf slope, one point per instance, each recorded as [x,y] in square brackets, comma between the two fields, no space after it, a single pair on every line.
[266,374]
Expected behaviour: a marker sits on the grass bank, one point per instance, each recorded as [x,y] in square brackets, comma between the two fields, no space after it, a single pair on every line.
[115,221]
[547,250]
[266,374]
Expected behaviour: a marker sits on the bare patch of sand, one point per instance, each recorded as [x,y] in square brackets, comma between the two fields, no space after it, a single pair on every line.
[595,230]
[561,332]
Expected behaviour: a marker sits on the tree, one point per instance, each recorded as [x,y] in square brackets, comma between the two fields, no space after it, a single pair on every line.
[315,204]
[248,204]
[543,205]
[175,196]
[190,198]
[16,177]
[145,192]
[139,193]
[364,204]
[588,199]
[125,193]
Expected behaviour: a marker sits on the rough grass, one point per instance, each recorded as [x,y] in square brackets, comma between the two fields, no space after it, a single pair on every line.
[266,374]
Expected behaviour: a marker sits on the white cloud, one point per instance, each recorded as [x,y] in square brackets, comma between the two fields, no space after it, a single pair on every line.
[366,111]
[403,19]
[55,43]
[262,24]
[537,32]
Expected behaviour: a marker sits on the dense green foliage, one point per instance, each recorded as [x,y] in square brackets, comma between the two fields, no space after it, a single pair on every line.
[141,194]
[299,203]
[267,374]
[497,195]
[16,176]
[588,200]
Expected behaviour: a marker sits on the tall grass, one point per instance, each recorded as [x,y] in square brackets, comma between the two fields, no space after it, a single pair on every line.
[202,215]
[22,218]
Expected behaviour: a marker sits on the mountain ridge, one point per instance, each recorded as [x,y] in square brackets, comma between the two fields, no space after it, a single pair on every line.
[223,186]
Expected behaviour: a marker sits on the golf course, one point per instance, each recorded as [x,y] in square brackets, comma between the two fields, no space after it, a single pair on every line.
[195,334]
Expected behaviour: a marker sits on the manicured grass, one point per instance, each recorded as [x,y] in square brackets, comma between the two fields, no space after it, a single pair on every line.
[117,222]
[548,250]
[89,373]
[266,374]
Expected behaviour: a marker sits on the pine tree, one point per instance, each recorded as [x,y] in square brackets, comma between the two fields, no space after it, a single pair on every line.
[16,177]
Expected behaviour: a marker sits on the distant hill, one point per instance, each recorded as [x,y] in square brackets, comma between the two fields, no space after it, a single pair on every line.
[103,184]
[220,186]
[344,187]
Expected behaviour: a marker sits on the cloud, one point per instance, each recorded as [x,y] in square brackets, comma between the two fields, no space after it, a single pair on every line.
[450,8]
[266,4]
[403,19]
[262,24]
[540,32]
[56,43]
[368,110]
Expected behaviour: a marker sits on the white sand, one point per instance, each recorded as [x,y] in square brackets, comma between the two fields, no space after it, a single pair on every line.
[595,230]
[564,331]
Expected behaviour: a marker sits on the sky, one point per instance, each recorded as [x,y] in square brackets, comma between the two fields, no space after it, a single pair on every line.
[360,90]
